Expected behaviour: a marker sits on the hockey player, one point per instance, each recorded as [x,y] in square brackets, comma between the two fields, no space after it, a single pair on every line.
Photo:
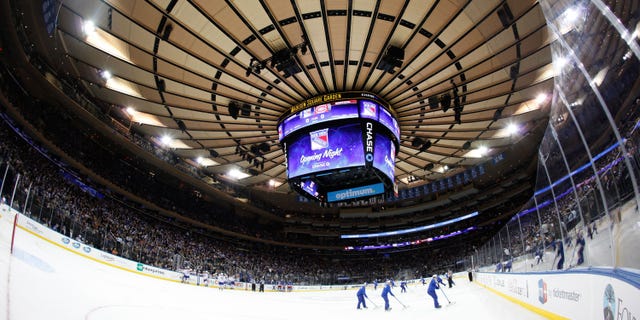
[361,295]
[385,292]
[403,286]
[450,278]
[560,254]
[375,284]
[580,243]
[539,255]
[508,265]
[433,285]
[205,279]
[222,280]
[185,275]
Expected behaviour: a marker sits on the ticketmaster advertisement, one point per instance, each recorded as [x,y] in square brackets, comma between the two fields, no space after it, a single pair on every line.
[325,149]
[594,293]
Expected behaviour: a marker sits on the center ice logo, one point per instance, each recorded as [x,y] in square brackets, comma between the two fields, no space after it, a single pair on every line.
[542,291]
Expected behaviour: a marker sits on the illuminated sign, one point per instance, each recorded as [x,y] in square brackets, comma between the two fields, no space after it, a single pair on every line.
[353,193]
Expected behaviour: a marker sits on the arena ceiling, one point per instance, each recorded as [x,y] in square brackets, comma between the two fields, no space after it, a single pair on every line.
[173,68]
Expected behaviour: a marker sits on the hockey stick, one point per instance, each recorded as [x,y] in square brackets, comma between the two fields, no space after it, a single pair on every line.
[553,264]
[375,306]
[573,253]
[400,302]
[445,296]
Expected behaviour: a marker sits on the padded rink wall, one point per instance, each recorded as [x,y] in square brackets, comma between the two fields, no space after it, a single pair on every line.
[43,233]
[592,293]
[595,293]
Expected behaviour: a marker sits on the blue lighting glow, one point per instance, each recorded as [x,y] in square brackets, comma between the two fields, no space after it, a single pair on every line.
[586,165]
[416,229]
[410,243]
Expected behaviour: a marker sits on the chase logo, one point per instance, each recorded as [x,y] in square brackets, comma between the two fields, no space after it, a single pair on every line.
[542,291]
[609,303]
[140,267]
[66,240]
[319,139]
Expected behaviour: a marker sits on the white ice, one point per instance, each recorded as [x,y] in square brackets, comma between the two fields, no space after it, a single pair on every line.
[43,281]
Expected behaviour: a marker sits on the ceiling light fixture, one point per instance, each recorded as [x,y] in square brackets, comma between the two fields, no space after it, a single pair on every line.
[166,140]
[512,128]
[88,27]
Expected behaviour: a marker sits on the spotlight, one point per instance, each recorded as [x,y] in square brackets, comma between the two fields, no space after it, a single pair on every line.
[181,125]
[106,75]
[466,145]
[167,32]
[264,147]
[433,102]
[417,141]
[456,117]
[498,114]
[303,50]
[233,109]
[213,153]
[89,27]
[162,86]
[425,146]
[512,128]
[445,101]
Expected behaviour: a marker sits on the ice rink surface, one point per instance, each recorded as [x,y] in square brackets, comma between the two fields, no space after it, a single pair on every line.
[43,281]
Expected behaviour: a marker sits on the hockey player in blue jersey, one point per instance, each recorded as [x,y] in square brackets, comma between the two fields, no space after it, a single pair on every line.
[560,254]
[361,295]
[385,292]
[375,284]
[433,285]
[403,286]
[580,243]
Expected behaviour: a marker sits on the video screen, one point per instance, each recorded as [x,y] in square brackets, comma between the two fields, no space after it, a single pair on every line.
[318,114]
[325,149]
[368,110]
[388,121]
[310,186]
[280,132]
[384,157]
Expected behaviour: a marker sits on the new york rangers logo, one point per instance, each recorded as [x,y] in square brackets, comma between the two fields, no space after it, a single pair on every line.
[369,109]
[319,139]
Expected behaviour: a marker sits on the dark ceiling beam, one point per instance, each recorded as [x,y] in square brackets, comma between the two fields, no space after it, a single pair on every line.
[384,47]
[460,56]
[239,43]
